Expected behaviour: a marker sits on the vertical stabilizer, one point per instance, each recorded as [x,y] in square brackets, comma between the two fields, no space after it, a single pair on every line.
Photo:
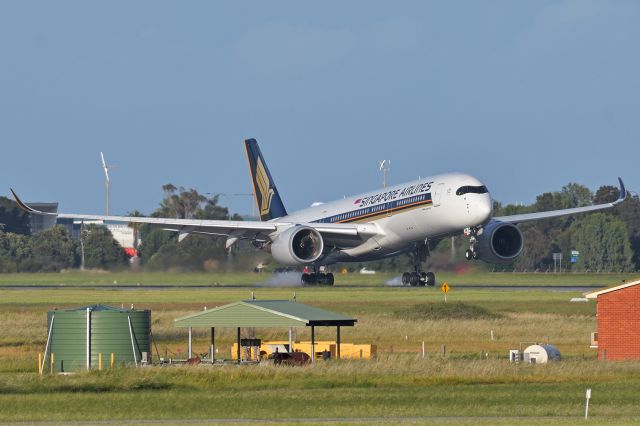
[269,203]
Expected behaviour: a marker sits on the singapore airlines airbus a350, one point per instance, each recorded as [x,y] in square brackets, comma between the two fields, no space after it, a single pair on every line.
[402,219]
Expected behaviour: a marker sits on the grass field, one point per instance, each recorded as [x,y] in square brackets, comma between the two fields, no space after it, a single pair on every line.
[472,383]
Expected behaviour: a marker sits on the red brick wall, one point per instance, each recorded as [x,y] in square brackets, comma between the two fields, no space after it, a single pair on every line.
[619,324]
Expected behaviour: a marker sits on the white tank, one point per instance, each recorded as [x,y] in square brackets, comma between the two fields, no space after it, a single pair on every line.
[540,354]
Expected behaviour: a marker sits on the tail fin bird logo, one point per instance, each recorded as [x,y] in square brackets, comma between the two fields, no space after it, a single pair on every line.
[266,192]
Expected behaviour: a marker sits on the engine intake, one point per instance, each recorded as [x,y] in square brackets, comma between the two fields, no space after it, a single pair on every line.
[500,242]
[298,245]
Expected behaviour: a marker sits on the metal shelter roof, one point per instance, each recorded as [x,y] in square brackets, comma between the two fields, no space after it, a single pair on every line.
[264,313]
[595,294]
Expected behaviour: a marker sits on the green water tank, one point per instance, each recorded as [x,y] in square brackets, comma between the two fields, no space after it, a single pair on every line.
[75,337]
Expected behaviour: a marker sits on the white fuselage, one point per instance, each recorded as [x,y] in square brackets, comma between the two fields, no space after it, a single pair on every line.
[405,214]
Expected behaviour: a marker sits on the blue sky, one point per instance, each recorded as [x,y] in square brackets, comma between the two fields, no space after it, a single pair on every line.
[525,95]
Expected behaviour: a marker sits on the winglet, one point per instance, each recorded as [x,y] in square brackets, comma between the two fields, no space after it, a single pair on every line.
[623,192]
[26,208]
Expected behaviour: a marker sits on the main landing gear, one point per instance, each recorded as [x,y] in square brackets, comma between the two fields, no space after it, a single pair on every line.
[419,278]
[472,252]
[317,278]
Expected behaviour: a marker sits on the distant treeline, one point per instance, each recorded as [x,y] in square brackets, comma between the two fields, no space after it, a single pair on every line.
[606,241]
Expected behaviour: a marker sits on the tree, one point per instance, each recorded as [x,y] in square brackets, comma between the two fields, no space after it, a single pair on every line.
[606,194]
[136,227]
[101,250]
[195,253]
[536,251]
[14,249]
[160,249]
[179,203]
[153,240]
[212,211]
[52,250]
[603,243]
[629,213]
[12,218]
[575,195]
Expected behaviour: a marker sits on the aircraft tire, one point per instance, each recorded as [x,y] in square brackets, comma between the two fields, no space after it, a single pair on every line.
[430,279]
[406,277]
[468,254]
[414,280]
[330,279]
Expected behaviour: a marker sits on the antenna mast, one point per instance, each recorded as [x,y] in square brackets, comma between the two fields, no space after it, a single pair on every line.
[106,168]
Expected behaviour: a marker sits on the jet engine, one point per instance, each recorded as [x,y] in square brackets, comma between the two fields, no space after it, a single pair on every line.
[298,245]
[500,242]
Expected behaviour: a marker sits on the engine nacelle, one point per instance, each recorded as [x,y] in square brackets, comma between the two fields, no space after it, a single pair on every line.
[298,245]
[500,242]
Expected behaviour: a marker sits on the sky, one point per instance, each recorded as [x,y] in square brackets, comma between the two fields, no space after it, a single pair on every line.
[525,95]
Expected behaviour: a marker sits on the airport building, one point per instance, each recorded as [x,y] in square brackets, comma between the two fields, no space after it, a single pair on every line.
[618,312]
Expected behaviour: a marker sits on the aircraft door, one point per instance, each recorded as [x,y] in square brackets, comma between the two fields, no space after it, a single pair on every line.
[436,195]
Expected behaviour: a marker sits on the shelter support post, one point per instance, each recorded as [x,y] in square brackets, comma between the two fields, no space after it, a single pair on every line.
[290,341]
[213,345]
[190,350]
[238,350]
[313,344]
[338,342]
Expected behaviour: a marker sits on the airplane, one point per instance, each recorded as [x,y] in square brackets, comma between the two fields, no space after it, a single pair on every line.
[401,219]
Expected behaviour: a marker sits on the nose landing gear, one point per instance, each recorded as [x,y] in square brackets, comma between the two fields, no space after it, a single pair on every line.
[472,252]
[419,278]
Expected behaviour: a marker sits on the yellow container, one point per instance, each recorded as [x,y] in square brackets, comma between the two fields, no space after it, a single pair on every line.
[347,350]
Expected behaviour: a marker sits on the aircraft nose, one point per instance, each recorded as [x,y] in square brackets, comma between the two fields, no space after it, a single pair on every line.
[484,209]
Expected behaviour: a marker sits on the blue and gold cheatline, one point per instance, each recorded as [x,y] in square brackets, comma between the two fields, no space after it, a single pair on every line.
[270,204]
[371,213]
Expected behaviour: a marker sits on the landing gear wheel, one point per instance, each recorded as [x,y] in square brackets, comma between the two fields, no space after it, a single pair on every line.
[330,279]
[418,278]
[414,280]
[468,254]
[423,279]
[317,278]
[405,278]
[310,279]
[430,279]
[473,234]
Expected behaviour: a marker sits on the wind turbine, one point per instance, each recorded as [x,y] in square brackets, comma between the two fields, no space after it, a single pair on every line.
[107,180]
[385,166]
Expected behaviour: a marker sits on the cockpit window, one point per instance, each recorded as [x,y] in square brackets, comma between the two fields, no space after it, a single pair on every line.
[472,189]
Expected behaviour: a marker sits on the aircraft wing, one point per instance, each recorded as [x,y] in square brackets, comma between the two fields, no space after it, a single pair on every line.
[233,230]
[528,217]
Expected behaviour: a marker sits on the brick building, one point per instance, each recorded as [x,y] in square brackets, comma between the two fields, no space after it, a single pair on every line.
[618,312]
